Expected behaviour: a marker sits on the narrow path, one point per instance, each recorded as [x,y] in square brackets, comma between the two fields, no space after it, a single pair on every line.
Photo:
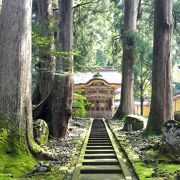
[100,158]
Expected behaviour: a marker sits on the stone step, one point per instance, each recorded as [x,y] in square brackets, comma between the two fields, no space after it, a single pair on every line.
[101,177]
[115,169]
[99,144]
[99,132]
[99,139]
[98,136]
[100,162]
[99,147]
[105,151]
[100,156]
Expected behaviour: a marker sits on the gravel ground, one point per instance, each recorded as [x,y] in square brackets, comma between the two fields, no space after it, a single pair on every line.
[144,150]
[65,152]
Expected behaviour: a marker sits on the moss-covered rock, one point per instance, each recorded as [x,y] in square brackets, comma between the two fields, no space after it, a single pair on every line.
[41,131]
[171,140]
[133,122]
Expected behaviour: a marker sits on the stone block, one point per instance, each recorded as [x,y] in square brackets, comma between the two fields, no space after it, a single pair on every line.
[41,131]
[133,123]
[171,138]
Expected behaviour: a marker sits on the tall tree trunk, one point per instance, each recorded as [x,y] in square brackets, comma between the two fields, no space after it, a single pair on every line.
[141,90]
[161,100]
[127,95]
[0,6]
[15,72]
[62,92]
[46,61]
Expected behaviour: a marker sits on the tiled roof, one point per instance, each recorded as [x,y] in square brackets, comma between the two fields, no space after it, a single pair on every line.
[177,96]
[109,75]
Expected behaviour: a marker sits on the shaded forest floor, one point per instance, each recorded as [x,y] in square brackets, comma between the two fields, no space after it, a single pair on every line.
[64,153]
[143,152]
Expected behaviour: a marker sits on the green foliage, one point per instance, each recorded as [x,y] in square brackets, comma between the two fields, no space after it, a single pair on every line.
[93,34]
[176,34]
[42,44]
[142,48]
[131,39]
[79,104]
[143,67]
[176,11]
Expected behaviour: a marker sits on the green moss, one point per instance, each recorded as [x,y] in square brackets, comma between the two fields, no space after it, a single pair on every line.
[151,152]
[146,171]
[14,155]
[12,138]
[143,171]
[47,176]
[3,139]
[17,165]
[40,131]
[16,142]
[149,133]
[169,167]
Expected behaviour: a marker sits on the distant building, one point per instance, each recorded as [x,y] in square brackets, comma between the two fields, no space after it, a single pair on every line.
[176,103]
[176,79]
[147,104]
[146,108]
[102,89]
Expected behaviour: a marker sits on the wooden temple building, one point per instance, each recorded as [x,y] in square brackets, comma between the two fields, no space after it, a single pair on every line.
[102,90]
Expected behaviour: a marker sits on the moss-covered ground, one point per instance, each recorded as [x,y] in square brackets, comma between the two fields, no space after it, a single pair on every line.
[15,166]
[143,152]
[16,162]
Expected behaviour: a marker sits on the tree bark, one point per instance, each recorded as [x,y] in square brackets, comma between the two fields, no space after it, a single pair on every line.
[46,62]
[61,106]
[15,70]
[62,91]
[141,90]
[0,6]
[161,100]
[127,95]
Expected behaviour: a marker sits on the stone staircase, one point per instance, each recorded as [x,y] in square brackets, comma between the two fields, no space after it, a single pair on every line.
[98,159]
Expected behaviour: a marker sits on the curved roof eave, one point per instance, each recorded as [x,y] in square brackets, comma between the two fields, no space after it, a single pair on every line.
[101,79]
